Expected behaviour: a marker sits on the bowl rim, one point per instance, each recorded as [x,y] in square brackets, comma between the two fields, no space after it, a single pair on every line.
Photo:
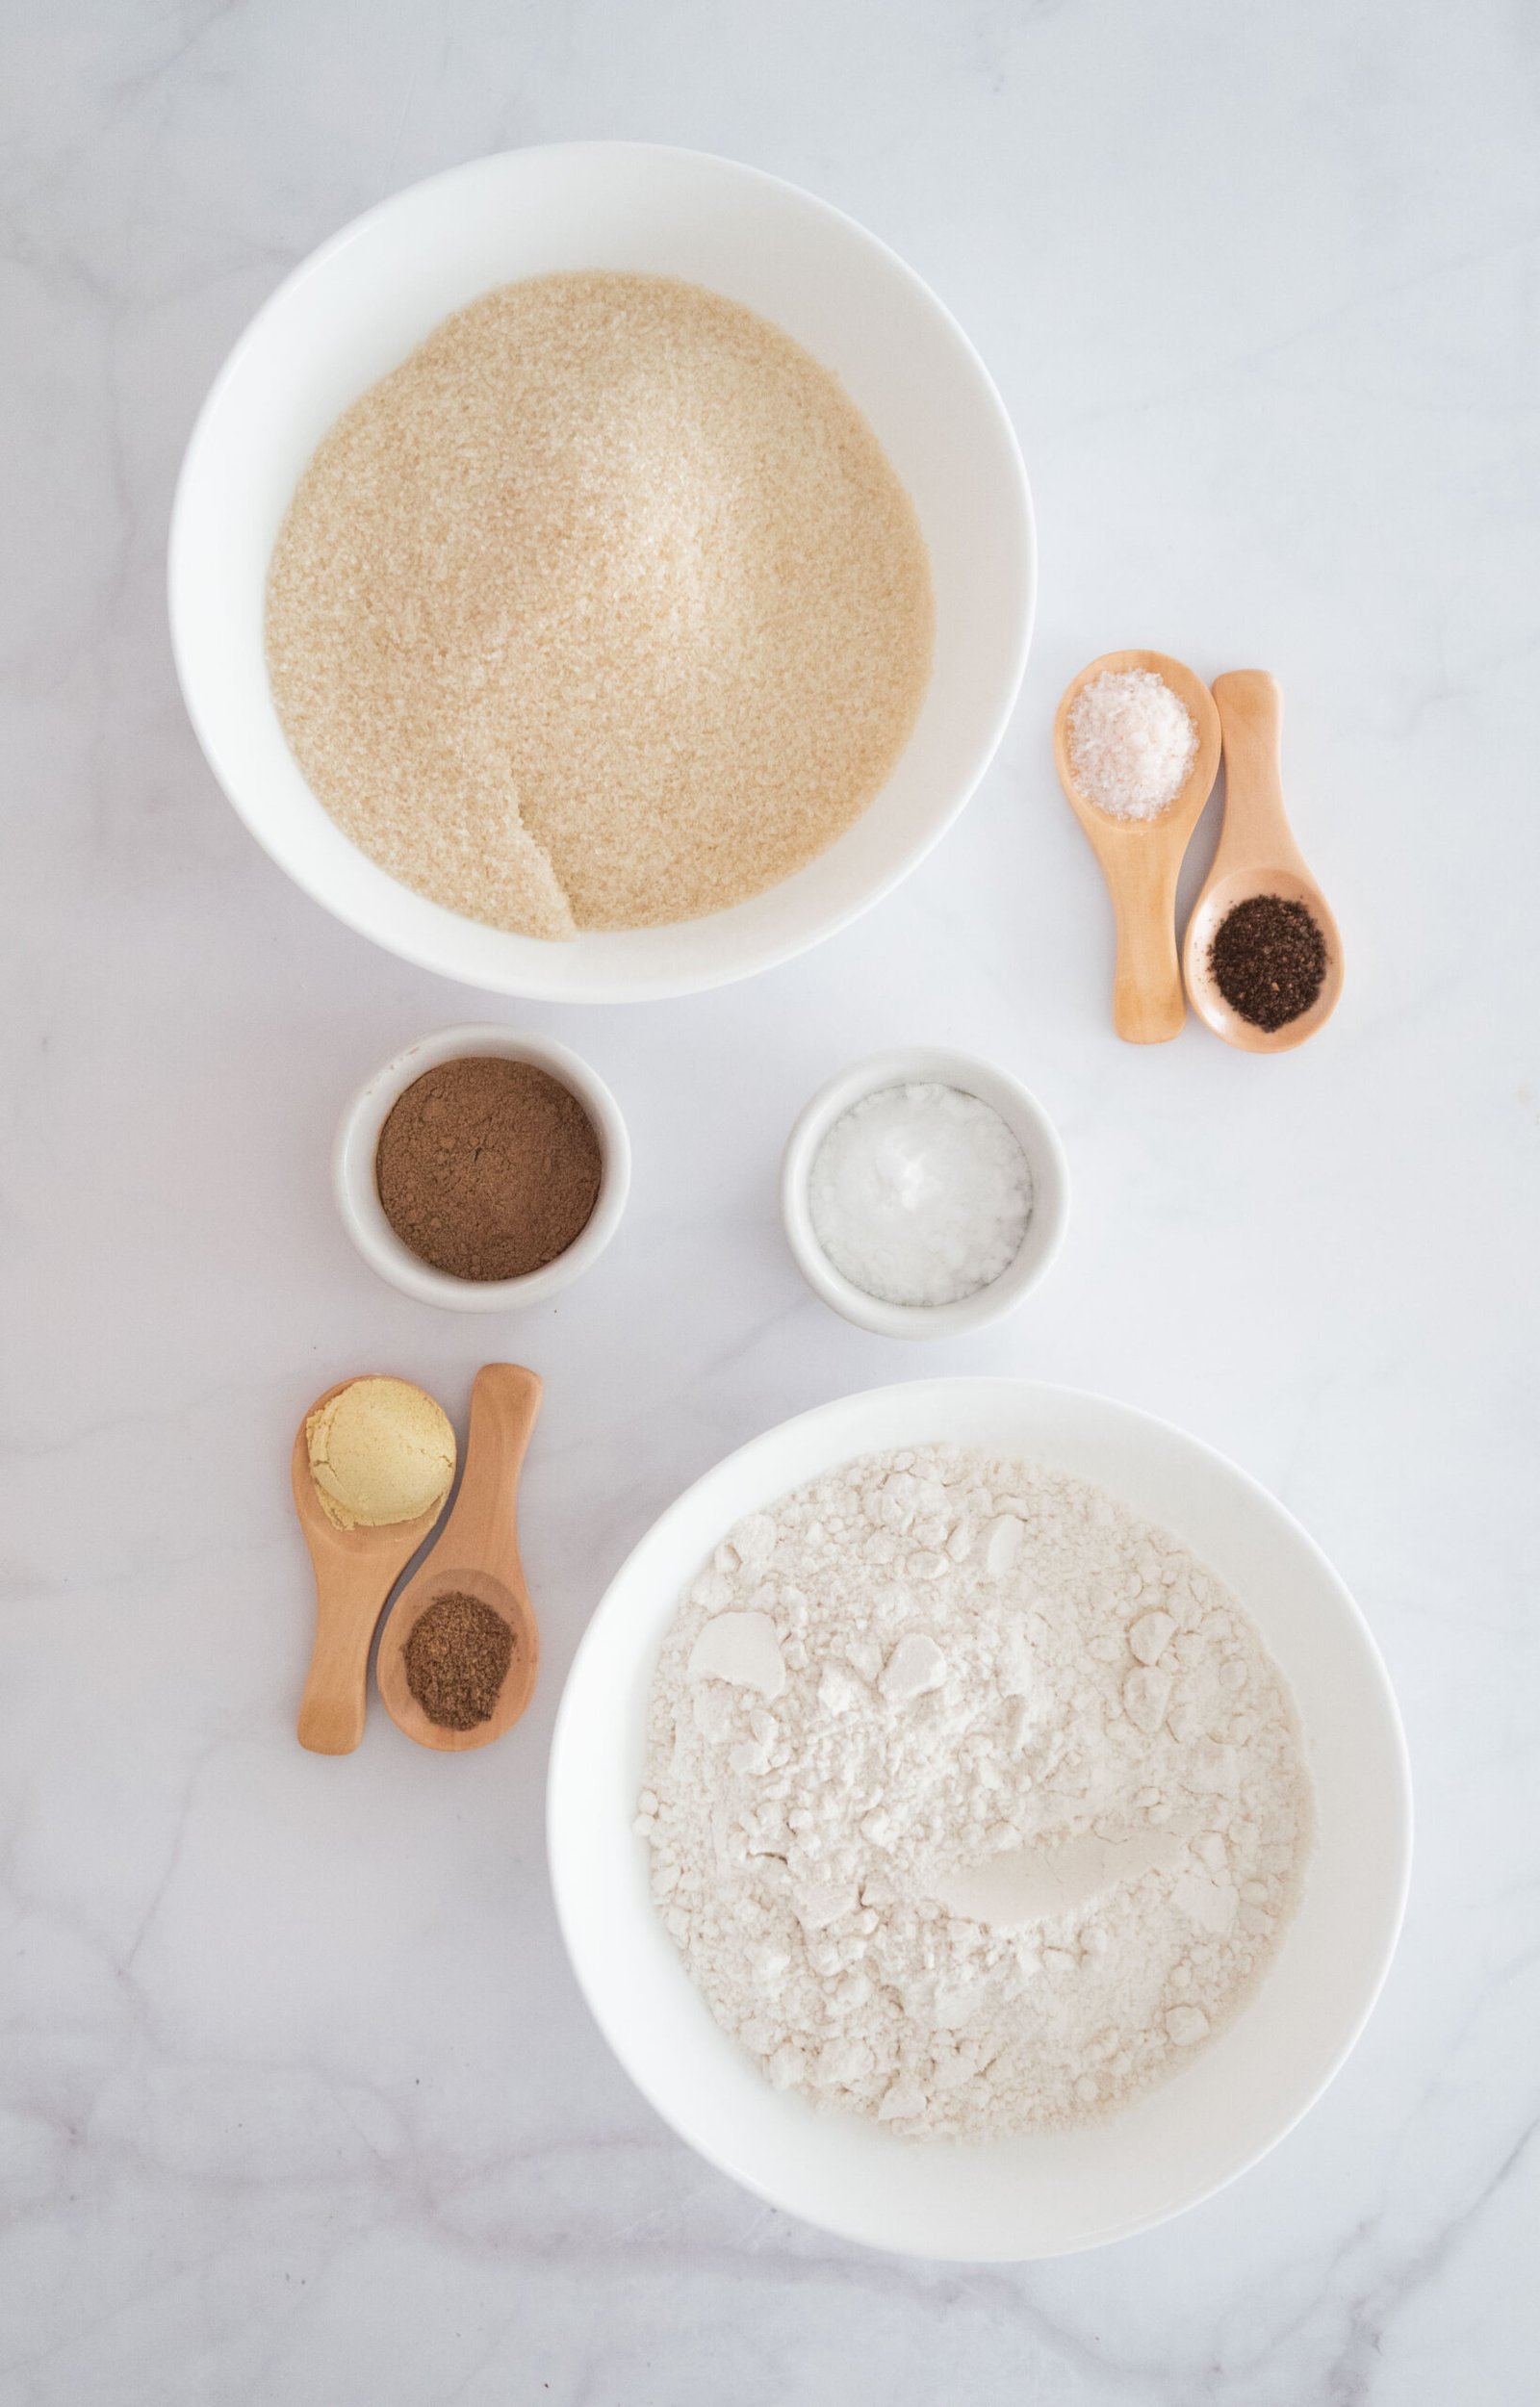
[363,1215]
[1025,1116]
[565,1766]
[435,944]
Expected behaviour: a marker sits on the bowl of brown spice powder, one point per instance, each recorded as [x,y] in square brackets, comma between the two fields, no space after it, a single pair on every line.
[482,1170]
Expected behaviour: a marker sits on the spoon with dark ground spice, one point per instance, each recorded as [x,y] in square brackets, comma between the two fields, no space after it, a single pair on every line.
[459,1654]
[1262,956]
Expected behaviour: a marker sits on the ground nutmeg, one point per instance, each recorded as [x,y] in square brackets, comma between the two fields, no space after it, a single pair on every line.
[457,1658]
[488,1168]
[1268,960]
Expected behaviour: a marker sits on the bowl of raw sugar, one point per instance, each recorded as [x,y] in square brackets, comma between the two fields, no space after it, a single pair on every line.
[600,572]
[924,1194]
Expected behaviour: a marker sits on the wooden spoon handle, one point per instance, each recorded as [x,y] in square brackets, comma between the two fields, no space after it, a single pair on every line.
[1149,1005]
[348,1603]
[483,1527]
[1256,830]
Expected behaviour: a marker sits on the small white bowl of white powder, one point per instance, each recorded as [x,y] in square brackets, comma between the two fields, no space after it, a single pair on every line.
[924,1192]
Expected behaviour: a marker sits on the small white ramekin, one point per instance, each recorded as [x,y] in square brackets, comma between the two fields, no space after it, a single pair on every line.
[363,1214]
[1021,1113]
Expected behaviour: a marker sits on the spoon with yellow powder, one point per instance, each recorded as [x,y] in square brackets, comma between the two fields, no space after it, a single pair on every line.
[373,1460]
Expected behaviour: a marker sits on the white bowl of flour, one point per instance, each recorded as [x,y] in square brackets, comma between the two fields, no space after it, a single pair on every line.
[1155,2071]
[362,305]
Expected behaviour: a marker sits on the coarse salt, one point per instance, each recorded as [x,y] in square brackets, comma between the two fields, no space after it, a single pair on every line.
[920,1194]
[1132,743]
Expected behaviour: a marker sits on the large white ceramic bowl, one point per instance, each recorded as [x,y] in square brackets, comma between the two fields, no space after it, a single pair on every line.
[1033,2197]
[362,303]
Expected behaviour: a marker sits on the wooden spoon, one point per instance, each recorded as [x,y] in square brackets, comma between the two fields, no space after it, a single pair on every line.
[1142,859]
[476,1555]
[355,1571]
[1257,855]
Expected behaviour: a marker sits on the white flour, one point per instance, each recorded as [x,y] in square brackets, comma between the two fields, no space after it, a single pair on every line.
[974,1802]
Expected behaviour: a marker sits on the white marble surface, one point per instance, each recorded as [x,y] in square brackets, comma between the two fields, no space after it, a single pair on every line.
[299,2103]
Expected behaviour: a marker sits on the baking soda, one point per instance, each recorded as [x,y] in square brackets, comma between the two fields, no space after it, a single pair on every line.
[920,1194]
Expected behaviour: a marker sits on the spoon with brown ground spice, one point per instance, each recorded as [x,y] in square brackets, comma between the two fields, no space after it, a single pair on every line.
[460,1652]
[1262,956]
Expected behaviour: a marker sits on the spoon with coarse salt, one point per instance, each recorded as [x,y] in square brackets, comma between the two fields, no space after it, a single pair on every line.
[1137,779]
[1257,855]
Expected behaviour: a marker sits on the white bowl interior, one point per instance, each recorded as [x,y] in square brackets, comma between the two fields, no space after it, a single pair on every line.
[1036,2195]
[365,299]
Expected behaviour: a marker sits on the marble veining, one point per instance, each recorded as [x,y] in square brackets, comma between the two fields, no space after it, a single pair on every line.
[298,2102]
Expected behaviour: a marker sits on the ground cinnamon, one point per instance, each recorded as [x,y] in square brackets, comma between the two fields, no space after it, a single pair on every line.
[488,1168]
[457,1658]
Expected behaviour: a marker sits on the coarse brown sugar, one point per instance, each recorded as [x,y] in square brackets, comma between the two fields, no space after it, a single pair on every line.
[604,611]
